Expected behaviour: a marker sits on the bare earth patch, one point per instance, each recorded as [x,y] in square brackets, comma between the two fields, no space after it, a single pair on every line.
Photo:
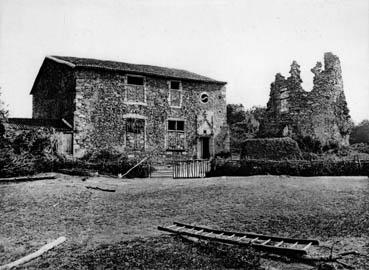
[330,209]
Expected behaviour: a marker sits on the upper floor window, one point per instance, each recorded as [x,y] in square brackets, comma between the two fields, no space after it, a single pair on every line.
[135,89]
[135,80]
[175,94]
[175,85]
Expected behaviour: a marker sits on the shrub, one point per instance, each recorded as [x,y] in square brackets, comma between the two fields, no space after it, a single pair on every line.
[223,154]
[28,152]
[361,147]
[309,145]
[105,161]
[296,167]
[272,148]
[360,133]
[103,155]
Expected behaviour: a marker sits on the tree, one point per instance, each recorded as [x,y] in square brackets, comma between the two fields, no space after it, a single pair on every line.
[3,115]
[360,133]
[235,113]
[243,124]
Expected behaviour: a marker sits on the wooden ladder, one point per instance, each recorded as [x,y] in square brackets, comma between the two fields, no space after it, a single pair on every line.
[291,247]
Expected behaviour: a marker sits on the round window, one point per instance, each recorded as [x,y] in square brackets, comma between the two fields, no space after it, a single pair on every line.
[204,97]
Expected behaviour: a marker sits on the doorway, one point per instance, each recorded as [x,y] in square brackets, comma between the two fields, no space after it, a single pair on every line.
[205,147]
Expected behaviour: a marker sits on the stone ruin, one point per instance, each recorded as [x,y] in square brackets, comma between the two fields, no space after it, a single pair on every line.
[320,115]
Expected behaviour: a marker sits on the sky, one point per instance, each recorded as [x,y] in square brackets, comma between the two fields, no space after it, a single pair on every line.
[244,43]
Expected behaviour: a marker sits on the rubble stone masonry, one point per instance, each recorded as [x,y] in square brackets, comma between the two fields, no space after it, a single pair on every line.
[53,92]
[107,107]
[103,106]
[321,114]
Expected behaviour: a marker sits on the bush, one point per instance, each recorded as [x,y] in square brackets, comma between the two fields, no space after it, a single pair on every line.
[272,148]
[361,147]
[34,151]
[309,145]
[27,153]
[223,154]
[105,161]
[296,168]
[103,156]
[360,133]
[81,167]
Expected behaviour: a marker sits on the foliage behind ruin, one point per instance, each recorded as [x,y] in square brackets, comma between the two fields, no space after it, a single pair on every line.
[243,123]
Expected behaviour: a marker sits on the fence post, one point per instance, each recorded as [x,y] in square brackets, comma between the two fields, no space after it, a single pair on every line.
[149,163]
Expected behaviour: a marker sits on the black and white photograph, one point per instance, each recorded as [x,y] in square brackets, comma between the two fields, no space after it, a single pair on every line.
[184,134]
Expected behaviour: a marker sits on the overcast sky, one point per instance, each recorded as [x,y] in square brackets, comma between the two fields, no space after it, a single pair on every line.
[242,42]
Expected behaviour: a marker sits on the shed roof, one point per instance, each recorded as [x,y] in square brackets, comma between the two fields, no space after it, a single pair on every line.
[27,123]
[88,63]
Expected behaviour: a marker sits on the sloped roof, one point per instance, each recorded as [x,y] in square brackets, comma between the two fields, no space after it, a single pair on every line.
[77,62]
[27,123]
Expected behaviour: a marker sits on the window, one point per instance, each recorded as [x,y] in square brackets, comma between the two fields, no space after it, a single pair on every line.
[135,134]
[284,106]
[175,125]
[175,85]
[176,138]
[135,89]
[135,80]
[204,97]
[175,94]
[135,125]
[284,100]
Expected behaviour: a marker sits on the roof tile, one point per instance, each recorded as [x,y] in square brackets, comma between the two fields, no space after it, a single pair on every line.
[135,68]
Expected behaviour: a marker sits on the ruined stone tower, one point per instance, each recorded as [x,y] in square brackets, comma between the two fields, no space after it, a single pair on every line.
[320,114]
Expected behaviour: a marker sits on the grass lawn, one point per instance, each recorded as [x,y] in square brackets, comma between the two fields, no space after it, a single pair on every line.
[103,228]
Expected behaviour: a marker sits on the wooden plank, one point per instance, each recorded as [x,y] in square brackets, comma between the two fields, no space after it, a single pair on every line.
[254,235]
[27,178]
[102,189]
[179,228]
[255,239]
[134,167]
[266,242]
[279,244]
[34,255]
[293,245]
[307,246]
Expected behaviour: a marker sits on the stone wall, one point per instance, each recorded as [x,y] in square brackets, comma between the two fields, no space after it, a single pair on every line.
[53,92]
[320,114]
[102,109]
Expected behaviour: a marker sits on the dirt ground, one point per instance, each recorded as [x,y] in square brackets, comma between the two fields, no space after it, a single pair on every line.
[334,210]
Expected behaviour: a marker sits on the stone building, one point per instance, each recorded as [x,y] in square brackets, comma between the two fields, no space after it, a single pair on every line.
[320,114]
[140,110]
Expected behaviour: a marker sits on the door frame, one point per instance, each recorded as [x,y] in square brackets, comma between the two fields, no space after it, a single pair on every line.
[200,147]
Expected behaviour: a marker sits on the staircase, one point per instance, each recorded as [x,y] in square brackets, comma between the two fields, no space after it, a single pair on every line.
[162,171]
